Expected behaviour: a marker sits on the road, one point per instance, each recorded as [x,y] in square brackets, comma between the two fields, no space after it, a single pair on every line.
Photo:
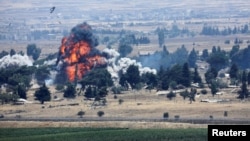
[103,119]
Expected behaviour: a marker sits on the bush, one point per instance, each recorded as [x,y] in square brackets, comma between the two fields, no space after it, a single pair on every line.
[211,117]
[227,42]
[100,113]
[204,91]
[165,115]
[177,117]
[59,87]
[171,95]
[81,113]
[120,101]
[116,90]
[225,113]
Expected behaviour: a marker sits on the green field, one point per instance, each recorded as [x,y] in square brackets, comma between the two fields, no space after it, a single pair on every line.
[101,134]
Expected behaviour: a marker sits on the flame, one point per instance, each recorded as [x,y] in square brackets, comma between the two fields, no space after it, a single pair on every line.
[78,53]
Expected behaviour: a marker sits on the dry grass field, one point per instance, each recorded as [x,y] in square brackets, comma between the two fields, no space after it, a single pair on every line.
[138,104]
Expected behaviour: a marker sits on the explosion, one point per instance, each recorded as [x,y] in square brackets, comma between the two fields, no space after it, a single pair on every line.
[78,53]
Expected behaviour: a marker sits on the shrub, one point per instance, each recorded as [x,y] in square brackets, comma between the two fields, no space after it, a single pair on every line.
[204,91]
[171,95]
[81,113]
[177,117]
[100,113]
[211,117]
[227,41]
[116,90]
[165,115]
[59,87]
[120,101]
[225,113]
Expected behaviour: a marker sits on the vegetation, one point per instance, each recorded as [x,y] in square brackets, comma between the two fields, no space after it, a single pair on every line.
[81,113]
[125,45]
[165,115]
[42,73]
[102,134]
[243,93]
[120,101]
[43,94]
[7,98]
[100,113]
[70,91]
[174,72]
[33,51]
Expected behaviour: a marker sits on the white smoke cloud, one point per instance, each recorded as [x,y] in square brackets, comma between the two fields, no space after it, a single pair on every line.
[15,60]
[115,65]
[50,62]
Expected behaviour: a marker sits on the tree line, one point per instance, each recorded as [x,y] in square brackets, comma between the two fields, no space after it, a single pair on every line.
[214,30]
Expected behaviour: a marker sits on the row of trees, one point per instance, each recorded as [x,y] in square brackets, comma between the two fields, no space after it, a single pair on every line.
[31,50]
[214,30]
[163,80]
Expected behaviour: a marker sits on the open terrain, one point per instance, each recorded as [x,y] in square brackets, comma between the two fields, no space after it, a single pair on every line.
[137,104]
[139,110]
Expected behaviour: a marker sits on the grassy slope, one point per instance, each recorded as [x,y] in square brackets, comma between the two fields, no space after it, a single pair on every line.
[101,134]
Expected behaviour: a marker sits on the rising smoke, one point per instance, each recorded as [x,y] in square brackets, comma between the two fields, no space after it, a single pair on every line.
[78,53]
[16,60]
[117,64]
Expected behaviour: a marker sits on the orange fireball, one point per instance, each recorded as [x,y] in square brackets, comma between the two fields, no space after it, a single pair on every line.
[78,52]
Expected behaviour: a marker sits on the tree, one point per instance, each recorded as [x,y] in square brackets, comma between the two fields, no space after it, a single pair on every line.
[171,95]
[33,51]
[248,78]
[218,60]
[210,75]
[81,113]
[161,37]
[165,51]
[7,98]
[120,101]
[180,56]
[214,50]
[97,77]
[12,52]
[133,76]
[241,58]
[234,50]
[70,91]
[102,92]
[43,94]
[243,93]
[150,79]
[186,77]
[94,92]
[214,88]
[234,71]
[192,95]
[205,54]
[21,91]
[3,53]
[42,73]
[192,58]
[196,78]
[89,93]
[100,113]
[18,75]
[184,94]
[124,48]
